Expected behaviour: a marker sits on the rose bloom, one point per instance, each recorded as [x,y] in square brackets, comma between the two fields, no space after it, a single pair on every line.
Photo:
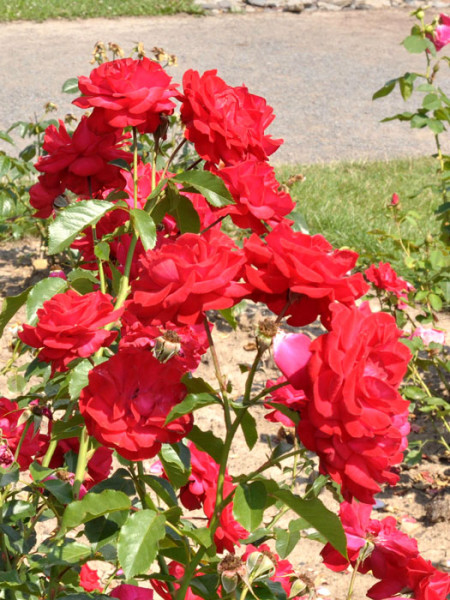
[354,420]
[300,275]
[181,280]
[184,345]
[286,395]
[385,278]
[390,555]
[126,591]
[70,326]
[257,195]
[229,532]
[44,193]
[429,335]
[128,92]
[176,569]
[225,124]
[33,445]
[441,35]
[89,579]
[127,401]
[82,161]
[427,582]
[98,467]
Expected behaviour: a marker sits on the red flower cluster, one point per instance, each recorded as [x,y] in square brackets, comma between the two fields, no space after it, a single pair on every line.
[44,193]
[126,591]
[394,558]
[127,402]
[33,444]
[385,278]
[225,124]
[70,326]
[257,195]
[183,279]
[300,275]
[128,92]
[355,419]
[79,163]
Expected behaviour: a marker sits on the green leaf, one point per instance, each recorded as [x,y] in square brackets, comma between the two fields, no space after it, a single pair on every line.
[385,90]
[210,186]
[416,44]
[435,125]
[228,315]
[176,460]
[10,580]
[249,429]
[206,441]
[190,403]
[435,301]
[286,541]
[101,250]
[319,517]
[79,378]
[44,290]
[431,102]
[93,506]
[67,429]
[196,385]
[145,226]
[77,274]
[8,476]
[102,530]
[406,85]
[70,86]
[121,163]
[6,138]
[186,216]
[249,503]
[162,488]
[69,553]
[72,220]
[138,541]
[10,306]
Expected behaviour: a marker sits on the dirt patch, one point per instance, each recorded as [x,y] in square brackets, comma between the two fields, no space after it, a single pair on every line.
[420,503]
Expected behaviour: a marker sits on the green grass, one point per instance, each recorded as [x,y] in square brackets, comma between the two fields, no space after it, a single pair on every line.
[40,10]
[344,201]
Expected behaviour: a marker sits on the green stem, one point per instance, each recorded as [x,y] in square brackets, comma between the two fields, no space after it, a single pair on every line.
[101,271]
[218,372]
[172,156]
[49,454]
[135,167]
[81,462]
[22,437]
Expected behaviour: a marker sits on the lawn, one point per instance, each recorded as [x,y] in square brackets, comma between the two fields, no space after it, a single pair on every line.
[344,201]
[40,10]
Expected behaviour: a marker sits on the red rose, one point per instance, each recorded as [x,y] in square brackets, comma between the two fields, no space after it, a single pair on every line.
[385,278]
[257,194]
[44,193]
[127,402]
[128,92]
[287,396]
[89,579]
[354,418]
[82,161]
[126,591]
[98,467]
[226,124]
[70,326]
[229,532]
[427,582]
[184,345]
[183,279]
[33,444]
[302,270]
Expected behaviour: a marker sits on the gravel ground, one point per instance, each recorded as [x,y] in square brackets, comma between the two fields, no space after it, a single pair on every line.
[318,71]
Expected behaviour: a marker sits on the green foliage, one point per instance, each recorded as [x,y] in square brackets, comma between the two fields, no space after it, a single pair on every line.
[12,10]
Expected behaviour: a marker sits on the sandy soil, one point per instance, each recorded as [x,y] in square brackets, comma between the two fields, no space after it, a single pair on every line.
[420,503]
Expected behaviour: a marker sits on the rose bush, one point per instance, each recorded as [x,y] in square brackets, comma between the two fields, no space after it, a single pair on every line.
[102,453]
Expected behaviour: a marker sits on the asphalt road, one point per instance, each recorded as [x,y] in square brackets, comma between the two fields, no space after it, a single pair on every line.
[317,70]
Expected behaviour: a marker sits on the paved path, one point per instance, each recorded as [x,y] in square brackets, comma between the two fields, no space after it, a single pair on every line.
[317,70]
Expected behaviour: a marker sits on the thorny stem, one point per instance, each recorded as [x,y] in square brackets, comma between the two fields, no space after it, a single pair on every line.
[212,349]
[135,167]
[172,156]
[353,578]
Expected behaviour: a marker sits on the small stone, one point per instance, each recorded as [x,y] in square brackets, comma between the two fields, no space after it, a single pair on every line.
[262,3]
[294,6]
[438,509]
